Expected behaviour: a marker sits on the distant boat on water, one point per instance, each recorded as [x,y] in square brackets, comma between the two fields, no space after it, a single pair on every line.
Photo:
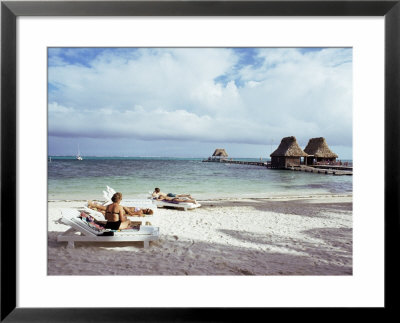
[78,156]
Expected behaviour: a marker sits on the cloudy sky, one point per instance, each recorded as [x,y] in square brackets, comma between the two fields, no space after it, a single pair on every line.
[185,102]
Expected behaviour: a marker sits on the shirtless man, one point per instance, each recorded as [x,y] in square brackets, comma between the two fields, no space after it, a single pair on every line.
[157,194]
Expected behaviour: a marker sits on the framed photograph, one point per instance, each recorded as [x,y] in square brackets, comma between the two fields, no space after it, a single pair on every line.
[252,113]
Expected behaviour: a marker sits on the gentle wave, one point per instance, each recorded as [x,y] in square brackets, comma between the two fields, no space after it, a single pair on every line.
[70,179]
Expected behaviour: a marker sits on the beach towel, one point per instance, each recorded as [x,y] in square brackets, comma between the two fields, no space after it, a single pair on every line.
[92,224]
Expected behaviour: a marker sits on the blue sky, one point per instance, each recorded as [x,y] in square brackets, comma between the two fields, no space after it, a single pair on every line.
[185,102]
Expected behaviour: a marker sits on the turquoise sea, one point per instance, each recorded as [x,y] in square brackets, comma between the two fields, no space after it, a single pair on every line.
[70,179]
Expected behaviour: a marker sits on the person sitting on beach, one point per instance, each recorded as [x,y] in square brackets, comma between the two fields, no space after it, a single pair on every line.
[158,195]
[130,211]
[116,216]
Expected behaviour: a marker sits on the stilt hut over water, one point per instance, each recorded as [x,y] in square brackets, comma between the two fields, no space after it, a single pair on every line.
[319,152]
[287,154]
[219,154]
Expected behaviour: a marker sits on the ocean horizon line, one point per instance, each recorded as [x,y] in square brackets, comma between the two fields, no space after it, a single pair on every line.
[173,157]
[167,157]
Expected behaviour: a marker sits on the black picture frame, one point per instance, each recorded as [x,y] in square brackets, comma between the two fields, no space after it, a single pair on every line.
[10,10]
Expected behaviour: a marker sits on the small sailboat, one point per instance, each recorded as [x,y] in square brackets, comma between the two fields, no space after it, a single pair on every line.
[79,157]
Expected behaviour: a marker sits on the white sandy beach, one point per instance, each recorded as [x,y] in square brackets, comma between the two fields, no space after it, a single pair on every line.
[279,236]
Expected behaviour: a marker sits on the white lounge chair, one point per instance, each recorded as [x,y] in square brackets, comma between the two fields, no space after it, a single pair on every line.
[141,203]
[178,205]
[109,192]
[81,231]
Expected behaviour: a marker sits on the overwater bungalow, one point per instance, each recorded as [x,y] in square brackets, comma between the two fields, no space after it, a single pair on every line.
[318,152]
[219,154]
[288,154]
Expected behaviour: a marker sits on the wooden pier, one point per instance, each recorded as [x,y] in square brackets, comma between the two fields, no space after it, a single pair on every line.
[242,162]
[327,169]
[316,169]
[336,167]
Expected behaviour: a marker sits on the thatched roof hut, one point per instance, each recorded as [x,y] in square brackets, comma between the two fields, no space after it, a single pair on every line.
[289,148]
[219,152]
[318,148]
[288,154]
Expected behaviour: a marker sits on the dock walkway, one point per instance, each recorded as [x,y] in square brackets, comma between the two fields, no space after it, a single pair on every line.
[330,170]
[242,162]
[317,169]
[336,167]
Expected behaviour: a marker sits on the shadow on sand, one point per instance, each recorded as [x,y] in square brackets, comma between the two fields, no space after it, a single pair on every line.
[295,207]
[174,256]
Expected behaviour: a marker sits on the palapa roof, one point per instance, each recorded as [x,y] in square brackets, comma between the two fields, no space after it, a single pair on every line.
[289,148]
[220,152]
[319,148]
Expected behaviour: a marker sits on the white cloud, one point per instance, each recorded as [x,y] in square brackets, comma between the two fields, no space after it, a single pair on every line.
[173,94]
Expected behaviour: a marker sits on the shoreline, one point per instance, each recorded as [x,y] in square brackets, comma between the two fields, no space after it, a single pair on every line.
[236,198]
[259,236]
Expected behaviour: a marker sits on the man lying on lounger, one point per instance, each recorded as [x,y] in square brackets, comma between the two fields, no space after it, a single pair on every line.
[158,195]
[115,214]
[130,211]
